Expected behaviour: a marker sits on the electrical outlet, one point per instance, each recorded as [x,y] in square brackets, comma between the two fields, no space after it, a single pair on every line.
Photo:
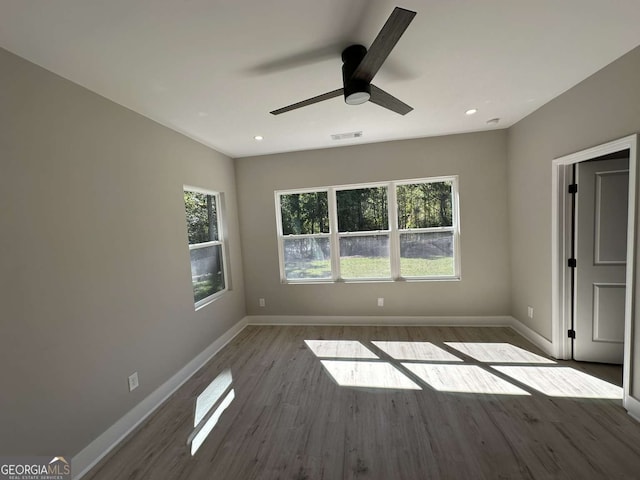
[133,381]
[261,302]
[530,311]
[381,302]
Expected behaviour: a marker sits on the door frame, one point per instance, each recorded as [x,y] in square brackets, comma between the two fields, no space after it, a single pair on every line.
[561,248]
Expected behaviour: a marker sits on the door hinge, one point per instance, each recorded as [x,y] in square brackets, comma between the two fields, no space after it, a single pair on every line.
[571,333]
[573,188]
[572,263]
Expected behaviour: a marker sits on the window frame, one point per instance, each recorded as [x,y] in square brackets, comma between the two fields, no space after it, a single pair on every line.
[281,237]
[211,243]
[393,232]
[455,227]
[362,233]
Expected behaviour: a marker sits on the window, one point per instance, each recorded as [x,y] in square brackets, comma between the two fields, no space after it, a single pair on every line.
[206,245]
[404,230]
[425,228]
[363,232]
[305,244]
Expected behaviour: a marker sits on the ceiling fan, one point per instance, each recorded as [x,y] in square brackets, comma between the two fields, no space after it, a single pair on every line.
[359,66]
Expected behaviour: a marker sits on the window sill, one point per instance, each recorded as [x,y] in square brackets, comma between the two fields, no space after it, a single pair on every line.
[210,299]
[371,280]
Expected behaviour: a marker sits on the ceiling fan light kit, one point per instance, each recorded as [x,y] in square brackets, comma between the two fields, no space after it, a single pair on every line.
[359,66]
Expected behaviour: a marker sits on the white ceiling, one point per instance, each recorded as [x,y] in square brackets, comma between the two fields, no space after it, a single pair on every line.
[213,69]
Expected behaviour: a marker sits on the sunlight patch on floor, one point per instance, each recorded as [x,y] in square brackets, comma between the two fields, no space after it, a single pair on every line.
[207,399]
[497,352]
[368,375]
[416,351]
[204,432]
[209,407]
[463,379]
[431,365]
[339,349]
[562,382]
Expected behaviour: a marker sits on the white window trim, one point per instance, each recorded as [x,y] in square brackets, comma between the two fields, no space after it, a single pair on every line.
[393,232]
[195,246]
[221,241]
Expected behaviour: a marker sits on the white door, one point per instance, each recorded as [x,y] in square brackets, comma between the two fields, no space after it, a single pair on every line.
[601,253]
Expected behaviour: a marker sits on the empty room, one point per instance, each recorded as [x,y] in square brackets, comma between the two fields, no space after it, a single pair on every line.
[300,240]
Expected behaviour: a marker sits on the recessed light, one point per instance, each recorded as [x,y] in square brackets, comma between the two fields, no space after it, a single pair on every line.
[471,111]
[203,114]
[493,121]
[258,138]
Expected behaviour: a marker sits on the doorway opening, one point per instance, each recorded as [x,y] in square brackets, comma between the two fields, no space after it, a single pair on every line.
[592,249]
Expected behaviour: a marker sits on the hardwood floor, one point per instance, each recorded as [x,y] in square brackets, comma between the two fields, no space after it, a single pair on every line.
[386,410]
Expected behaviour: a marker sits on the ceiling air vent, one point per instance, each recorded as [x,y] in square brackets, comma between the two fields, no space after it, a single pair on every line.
[343,136]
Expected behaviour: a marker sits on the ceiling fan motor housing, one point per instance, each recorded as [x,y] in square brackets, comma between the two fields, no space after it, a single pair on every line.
[356,91]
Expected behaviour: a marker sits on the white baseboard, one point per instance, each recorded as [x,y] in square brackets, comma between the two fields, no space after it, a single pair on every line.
[534,337]
[101,446]
[632,405]
[470,321]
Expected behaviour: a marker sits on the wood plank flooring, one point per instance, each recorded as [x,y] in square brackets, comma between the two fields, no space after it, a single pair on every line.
[339,413]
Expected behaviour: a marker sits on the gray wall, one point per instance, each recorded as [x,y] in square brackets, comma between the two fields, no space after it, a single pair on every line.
[480,161]
[95,279]
[602,108]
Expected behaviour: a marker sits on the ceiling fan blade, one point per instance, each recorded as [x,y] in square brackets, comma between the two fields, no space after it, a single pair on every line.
[382,98]
[381,47]
[309,101]
[298,59]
